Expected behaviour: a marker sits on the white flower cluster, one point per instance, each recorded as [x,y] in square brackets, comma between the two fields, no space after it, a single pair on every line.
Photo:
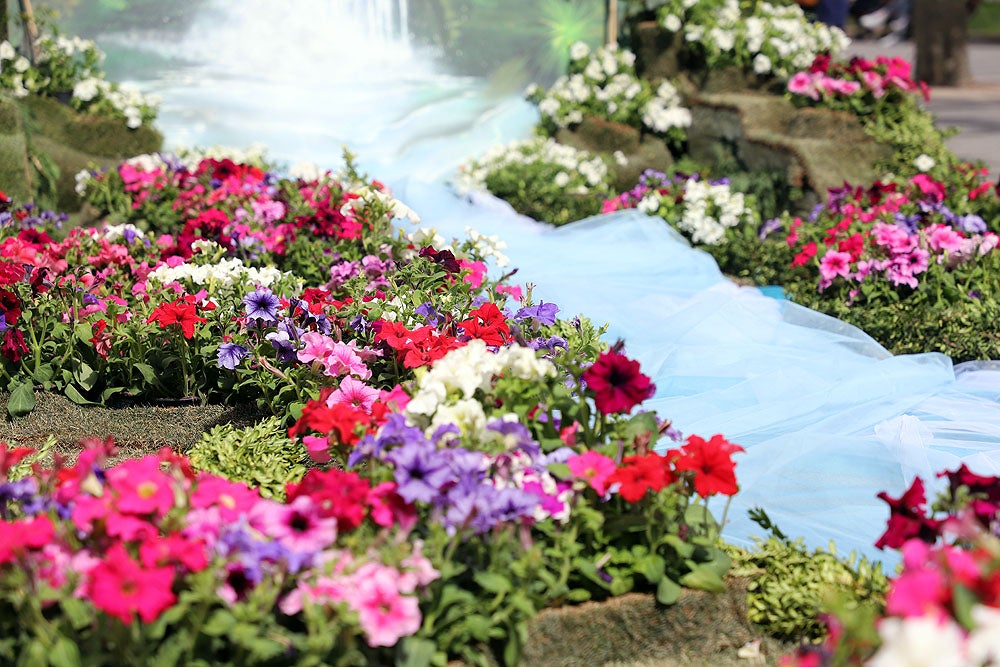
[777,39]
[665,111]
[12,70]
[113,233]
[579,170]
[223,275]
[369,196]
[446,394]
[489,246]
[125,99]
[706,211]
[710,209]
[64,63]
[603,83]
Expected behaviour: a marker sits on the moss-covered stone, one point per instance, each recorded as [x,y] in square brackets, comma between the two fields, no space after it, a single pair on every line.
[700,629]
[817,149]
[45,143]
[641,151]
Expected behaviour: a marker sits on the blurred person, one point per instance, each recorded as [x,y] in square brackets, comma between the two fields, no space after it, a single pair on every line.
[832,12]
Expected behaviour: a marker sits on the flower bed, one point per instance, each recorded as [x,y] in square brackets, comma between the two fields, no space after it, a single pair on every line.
[461,458]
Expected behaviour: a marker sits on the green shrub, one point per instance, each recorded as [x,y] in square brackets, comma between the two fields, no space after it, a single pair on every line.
[261,455]
[791,587]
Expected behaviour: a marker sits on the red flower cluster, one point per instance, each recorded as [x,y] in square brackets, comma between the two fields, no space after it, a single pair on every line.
[182,312]
[617,383]
[488,324]
[710,463]
[346,497]
[420,347]
[707,465]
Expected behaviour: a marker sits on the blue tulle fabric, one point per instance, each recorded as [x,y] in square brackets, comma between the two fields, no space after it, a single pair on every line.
[827,416]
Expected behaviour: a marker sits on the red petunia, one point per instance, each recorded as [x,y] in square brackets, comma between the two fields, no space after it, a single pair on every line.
[338,494]
[639,474]
[488,324]
[13,346]
[712,464]
[179,312]
[907,519]
[617,383]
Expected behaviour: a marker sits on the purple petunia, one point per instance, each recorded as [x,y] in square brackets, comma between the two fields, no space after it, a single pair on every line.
[262,305]
[230,355]
[543,313]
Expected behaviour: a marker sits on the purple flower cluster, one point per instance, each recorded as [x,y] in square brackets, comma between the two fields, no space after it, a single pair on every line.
[467,491]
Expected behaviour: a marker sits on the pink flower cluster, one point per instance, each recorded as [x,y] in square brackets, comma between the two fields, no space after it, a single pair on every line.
[889,234]
[827,79]
[127,539]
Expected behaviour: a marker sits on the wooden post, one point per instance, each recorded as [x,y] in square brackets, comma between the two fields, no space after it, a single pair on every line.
[611,26]
[940,32]
[30,30]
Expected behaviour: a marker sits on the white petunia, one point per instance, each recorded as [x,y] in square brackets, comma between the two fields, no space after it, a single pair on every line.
[924,162]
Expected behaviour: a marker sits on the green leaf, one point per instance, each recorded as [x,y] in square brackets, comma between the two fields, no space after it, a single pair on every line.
[492,582]
[22,400]
[65,654]
[77,612]
[86,376]
[704,578]
[963,601]
[651,566]
[83,332]
[668,591]
[416,652]
[73,394]
[478,626]
[36,655]
[219,623]
[147,372]
[559,470]
[43,374]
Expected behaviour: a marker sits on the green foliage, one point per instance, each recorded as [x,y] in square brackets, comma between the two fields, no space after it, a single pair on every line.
[911,132]
[261,455]
[542,179]
[791,587]
[528,188]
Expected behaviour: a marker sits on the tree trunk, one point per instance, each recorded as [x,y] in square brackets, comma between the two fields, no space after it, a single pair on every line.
[940,31]
[4,21]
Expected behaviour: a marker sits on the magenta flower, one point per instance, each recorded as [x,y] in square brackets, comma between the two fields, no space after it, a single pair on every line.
[835,263]
[385,615]
[141,487]
[297,525]
[594,467]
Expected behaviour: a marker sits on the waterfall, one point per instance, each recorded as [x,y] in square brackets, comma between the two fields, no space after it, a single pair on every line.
[324,41]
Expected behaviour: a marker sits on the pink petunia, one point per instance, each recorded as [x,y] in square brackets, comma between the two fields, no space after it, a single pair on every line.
[121,587]
[317,347]
[384,614]
[298,525]
[593,467]
[802,84]
[835,263]
[141,487]
[355,393]
[232,499]
[344,360]
[943,238]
